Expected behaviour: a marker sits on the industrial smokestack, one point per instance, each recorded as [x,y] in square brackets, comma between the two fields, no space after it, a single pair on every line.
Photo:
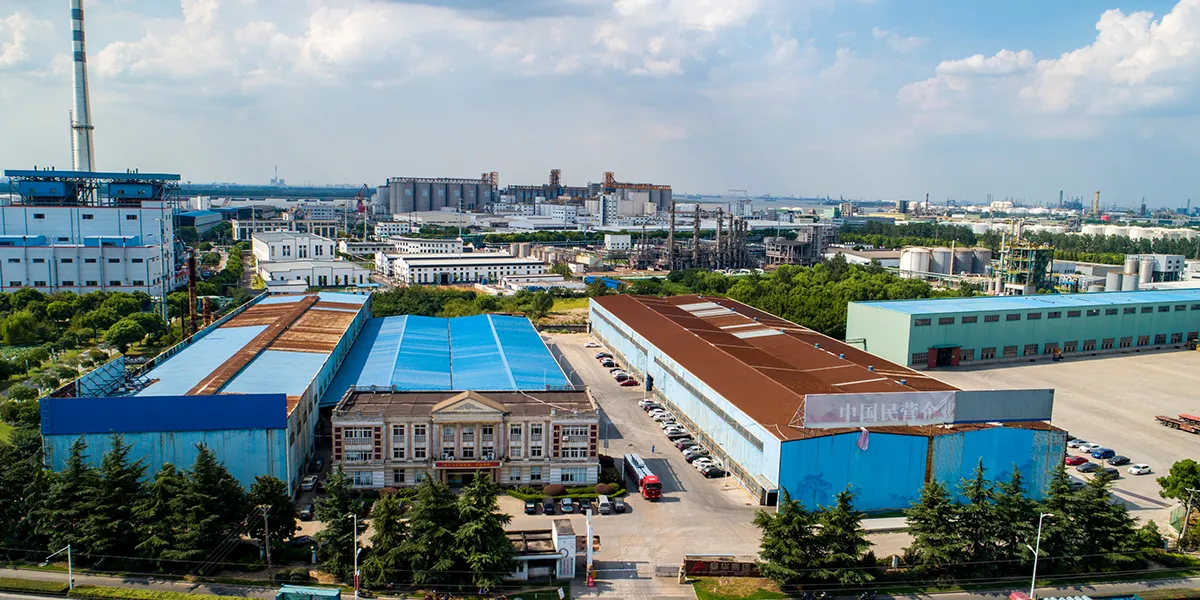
[1096,204]
[84,155]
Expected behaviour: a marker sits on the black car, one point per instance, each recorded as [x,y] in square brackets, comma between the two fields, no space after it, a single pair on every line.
[1088,467]
[306,512]
[531,507]
[685,442]
[301,541]
[548,506]
[712,471]
[618,505]
[1110,472]
[584,505]
[1118,460]
[318,465]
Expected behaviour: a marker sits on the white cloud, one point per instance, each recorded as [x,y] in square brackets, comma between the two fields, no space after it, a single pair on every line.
[22,36]
[897,42]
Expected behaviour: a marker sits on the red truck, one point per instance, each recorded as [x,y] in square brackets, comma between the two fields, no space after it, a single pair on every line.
[1185,422]
[637,473]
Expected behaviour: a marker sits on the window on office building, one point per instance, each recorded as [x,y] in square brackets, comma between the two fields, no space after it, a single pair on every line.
[39,261]
[574,475]
[920,358]
[991,318]
[1010,351]
[535,451]
[1071,346]
[1033,316]
[1089,345]
[1093,312]
[1147,309]
[1164,309]
[1192,335]
[1050,348]
[114,261]
[68,282]
[67,261]
[966,355]
[987,354]
[364,479]
[1179,307]
[419,434]
[14,260]
[14,284]
[39,215]
[1031,349]
[356,456]
[398,477]
[1160,338]
[535,473]
[1126,342]
[87,216]
[419,453]
[1108,312]
[39,283]
[130,217]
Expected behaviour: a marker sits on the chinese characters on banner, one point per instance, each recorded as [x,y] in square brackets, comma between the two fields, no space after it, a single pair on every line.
[876,410]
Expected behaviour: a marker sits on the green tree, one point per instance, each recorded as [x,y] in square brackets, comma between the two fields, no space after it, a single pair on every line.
[99,319]
[159,516]
[480,541]
[20,328]
[843,541]
[21,493]
[432,523]
[1062,534]
[66,501]
[272,493]
[213,507]
[60,311]
[1106,526]
[334,510]
[152,323]
[1184,475]
[22,393]
[187,234]
[540,305]
[124,333]
[1015,520]
[108,527]
[561,269]
[976,526]
[932,524]
[789,550]
[122,304]
[1149,537]
[387,562]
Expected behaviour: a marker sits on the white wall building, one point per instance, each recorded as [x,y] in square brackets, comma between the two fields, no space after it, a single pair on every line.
[84,249]
[618,241]
[278,246]
[287,257]
[389,229]
[445,269]
[244,229]
[363,248]
[426,246]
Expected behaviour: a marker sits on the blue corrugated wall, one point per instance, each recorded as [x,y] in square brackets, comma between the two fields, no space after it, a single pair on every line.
[888,475]
[1036,453]
[246,453]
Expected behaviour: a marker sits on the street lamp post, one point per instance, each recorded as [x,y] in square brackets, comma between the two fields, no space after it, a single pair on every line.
[354,550]
[1036,551]
[70,567]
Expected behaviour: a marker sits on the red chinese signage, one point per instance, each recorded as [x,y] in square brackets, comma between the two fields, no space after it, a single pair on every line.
[466,464]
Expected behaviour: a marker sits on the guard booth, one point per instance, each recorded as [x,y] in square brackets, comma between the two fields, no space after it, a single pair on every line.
[296,592]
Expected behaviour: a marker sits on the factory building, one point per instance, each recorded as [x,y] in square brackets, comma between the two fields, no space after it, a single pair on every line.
[885,258]
[447,269]
[363,249]
[917,263]
[405,245]
[807,249]
[247,387]
[283,257]
[786,408]
[388,229]
[83,232]
[948,332]
[202,220]
[416,194]
[245,229]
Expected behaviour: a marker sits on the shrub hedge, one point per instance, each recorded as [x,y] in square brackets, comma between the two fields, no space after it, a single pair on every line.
[555,490]
[12,584]
[112,593]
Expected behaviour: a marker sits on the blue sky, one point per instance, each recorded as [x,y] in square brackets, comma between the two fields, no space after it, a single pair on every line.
[862,98]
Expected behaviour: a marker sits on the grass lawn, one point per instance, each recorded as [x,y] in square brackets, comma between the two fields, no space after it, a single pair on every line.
[736,588]
[565,304]
[5,432]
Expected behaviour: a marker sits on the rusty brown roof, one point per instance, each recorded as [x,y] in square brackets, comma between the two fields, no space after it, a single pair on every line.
[761,363]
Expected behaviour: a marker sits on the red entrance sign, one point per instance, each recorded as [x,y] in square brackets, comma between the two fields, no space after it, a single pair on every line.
[466,465]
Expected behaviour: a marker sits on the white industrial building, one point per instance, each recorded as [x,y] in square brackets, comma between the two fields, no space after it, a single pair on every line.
[445,269]
[618,241]
[426,246]
[244,229]
[388,229]
[287,257]
[353,248]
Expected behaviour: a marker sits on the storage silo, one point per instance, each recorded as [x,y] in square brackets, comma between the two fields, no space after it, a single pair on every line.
[1092,230]
[914,262]
[1096,287]
[964,261]
[422,202]
[941,260]
[1118,231]
[1146,270]
[1112,282]
[983,260]
[513,248]
[403,197]
[980,228]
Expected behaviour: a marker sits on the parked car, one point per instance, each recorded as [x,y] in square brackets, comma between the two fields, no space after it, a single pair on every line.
[1088,467]
[309,483]
[1111,472]
[702,462]
[591,345]
[1088,448]
[620,376]
[681,434]
[1103,453]
[1075,461]
[301,541]
[668,423]
[663,416]
[656,411]
[1075,443]
[600,355]
[712,471]
[630,382]
[646,402]
[531,507]
[1075,484]
[318,464]
[584,505]
[1139,469]
[694,455]
[674,431]
[607,362]
[306,512]
[652,406]
[615,369]
[691,448]
[548,506]
[567,505]
[618,505]
[684,442]
[1118,460]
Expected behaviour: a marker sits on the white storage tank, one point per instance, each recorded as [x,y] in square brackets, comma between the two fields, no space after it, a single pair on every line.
[1139,233]
[1119,231]
[983,259]
[1129,283]
[1112,282]
[964,261]
[941,260]
[914,262]
[1096,287]
[1131,265]
[1092,230]
[1146,270]
[980,228]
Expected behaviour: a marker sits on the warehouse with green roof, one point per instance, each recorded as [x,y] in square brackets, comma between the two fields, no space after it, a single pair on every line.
[948,332]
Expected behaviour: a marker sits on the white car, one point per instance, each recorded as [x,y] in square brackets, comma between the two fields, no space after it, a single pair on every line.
[664,416]
[1075,443]
[1089,448]
[591,345]
[702,462]
[308,483]
[646,402]
[1139,469]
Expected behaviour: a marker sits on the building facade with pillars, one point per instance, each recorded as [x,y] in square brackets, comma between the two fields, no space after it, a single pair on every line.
[395,439]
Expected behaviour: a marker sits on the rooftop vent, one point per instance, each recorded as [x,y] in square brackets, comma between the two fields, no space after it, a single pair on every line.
[870,368]
[903,382]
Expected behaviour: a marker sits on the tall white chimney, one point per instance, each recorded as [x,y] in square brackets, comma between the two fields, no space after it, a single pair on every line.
[84,156]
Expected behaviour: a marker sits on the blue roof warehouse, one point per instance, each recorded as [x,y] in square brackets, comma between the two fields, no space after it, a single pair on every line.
[246,386]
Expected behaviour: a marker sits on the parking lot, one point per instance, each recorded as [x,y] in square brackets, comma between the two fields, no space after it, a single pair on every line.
[1113,401]
[694,516]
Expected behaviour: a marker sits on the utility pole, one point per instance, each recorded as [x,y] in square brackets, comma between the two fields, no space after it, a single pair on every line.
[1187,512]
[267,541]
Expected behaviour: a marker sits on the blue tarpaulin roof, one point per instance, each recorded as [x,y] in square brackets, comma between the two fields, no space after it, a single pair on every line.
[1000,303]
[485,352]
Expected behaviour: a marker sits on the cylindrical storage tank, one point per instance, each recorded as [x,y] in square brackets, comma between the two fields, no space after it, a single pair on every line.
[1119,231]
[423,198]
[1131,265]
[980,228]
[941,260]
[983,259]
[1112,282]
[405,202]
[914,262]
[437,196]
[525,249]
[1139,233]
[1129,282]
[1146,270]
[513,248]
[964,260]
[1096,287]
[1092,230]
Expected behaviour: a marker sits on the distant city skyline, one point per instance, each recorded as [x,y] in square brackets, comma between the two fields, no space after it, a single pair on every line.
[810,98]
